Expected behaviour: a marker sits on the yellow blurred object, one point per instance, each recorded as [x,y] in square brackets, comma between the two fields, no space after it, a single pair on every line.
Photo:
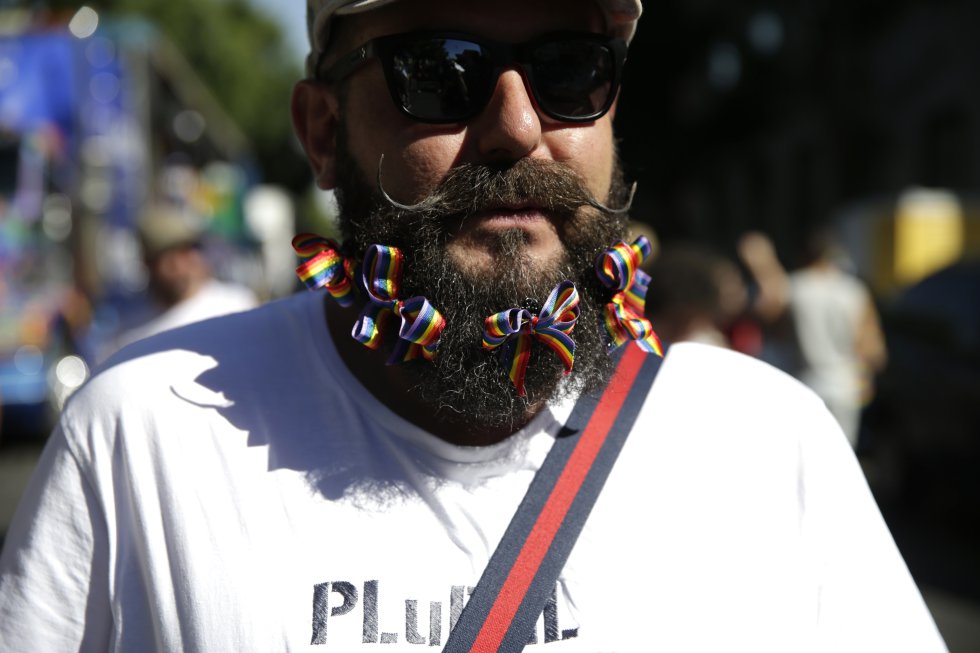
[929,233]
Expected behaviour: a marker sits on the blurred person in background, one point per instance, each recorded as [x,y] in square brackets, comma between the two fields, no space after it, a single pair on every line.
[768,300]
[316,474]
[835,343]
[181,284]
[838,332]
[685,295]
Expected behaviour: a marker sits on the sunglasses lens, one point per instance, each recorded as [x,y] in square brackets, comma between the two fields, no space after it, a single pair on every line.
[573,79]
[441,79]
[446,79]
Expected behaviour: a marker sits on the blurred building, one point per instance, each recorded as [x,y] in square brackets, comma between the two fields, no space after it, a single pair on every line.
[98,118]
[776,115]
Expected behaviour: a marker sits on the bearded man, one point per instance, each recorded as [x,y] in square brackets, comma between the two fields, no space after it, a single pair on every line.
[267,482]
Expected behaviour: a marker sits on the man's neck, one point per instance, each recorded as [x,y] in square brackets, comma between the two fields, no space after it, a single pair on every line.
[393,386]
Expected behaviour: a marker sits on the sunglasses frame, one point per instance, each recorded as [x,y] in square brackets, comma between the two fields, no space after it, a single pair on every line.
[502,56]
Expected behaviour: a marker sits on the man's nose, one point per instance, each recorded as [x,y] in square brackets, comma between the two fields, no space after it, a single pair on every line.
[509,128]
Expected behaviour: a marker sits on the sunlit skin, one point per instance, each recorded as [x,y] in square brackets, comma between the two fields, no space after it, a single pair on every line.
[417,156]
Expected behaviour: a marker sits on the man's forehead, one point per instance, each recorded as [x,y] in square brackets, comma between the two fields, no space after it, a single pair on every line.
[503,20]
[509,20]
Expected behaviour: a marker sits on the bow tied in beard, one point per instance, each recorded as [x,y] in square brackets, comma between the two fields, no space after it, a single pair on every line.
[514,329]
[618,268]
[421,324]
[325,267]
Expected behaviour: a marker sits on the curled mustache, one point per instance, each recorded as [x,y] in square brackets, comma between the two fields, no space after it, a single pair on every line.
[469,188]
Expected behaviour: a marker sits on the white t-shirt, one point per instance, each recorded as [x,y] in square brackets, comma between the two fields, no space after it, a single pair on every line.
[230,486]
[827,306]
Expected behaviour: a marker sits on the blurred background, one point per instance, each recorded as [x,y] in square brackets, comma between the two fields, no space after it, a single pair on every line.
[749,125]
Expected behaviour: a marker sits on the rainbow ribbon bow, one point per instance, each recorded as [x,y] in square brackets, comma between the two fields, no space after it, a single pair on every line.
[421,323]
[619,269]
[514,329]
[326,268]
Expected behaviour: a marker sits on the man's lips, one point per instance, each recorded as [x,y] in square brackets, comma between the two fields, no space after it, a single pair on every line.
[510,216]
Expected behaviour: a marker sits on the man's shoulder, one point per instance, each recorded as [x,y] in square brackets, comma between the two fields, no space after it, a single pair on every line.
[712,408]
[242,344]
[705,363]
[225,330]
[706,380]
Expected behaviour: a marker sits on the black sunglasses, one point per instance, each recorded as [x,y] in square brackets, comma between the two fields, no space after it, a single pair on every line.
[445,77]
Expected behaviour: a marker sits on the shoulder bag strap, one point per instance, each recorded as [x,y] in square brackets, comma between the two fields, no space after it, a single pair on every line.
[521,575]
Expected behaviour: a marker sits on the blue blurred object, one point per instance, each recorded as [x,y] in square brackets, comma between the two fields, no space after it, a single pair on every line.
[923,428]
[37,85]
[925,418]
[32,343]
[951,297]
[71,145]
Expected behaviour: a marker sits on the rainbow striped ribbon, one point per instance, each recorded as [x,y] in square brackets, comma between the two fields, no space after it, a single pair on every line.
[619,269]
[326,268]
[421,323]
[514,329]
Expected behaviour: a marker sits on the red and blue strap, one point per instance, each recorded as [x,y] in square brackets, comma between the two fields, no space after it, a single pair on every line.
[521,574]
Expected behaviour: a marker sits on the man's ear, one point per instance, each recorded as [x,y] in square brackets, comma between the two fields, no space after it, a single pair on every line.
[315,111]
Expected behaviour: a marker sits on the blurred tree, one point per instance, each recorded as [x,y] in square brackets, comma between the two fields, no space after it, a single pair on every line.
[242,56]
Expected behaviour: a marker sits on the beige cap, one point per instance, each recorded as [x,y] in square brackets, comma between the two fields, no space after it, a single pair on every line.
[162,228]
[621,16]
